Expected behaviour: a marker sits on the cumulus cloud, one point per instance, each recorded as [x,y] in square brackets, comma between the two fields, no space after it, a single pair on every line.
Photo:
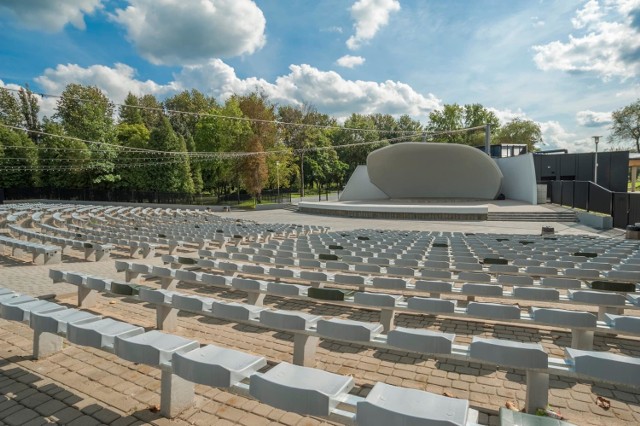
[507,115]
[555,136]
[590,118]
[115,82]
[327,90]
[591,12]
[48,15]
[175,32]
[369,17]
[609,46]
[349,61]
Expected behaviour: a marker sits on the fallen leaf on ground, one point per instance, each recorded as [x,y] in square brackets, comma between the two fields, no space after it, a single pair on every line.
[448,394]
[154,408]
[511,405]
[603,403]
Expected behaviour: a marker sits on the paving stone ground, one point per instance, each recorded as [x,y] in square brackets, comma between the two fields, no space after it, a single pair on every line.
[84,386]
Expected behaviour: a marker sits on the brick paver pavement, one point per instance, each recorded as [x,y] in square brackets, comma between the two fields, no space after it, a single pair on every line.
[84,386]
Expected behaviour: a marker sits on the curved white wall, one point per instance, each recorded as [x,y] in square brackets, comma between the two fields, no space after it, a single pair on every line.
[519,181]
[360,187]
[434,170]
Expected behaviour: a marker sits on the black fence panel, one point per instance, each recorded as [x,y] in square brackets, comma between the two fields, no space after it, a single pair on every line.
[567,193]
[620,209]
[634,208]
[580,195]
[93,194]
[600,199]
[556,192]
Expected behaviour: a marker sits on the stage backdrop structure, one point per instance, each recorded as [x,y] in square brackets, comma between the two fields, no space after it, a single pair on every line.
[415,170]
[431,181]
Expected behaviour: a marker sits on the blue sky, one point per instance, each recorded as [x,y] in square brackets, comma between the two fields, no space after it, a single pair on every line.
[564,64]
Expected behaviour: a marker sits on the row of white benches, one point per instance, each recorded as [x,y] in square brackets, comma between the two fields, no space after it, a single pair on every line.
[308,329]
[582,324]
[619,269]
[91,250]
[41,254]
[183,362]
[400,278]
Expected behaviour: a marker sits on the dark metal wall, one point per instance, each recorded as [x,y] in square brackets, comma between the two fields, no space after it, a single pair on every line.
[624,207]
[613,168]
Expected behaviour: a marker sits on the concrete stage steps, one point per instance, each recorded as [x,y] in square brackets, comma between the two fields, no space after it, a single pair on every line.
[566,216]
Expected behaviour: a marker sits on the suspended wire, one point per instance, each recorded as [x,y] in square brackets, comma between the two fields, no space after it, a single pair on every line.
[254,120]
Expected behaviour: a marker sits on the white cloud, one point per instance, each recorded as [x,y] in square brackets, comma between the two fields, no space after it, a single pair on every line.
[50,15]
[590,13]
[349,61]
[507,115]
[590,118]
[370,16]
[555,136]
[327,90]
[177,32]
[610,47]
[115,82]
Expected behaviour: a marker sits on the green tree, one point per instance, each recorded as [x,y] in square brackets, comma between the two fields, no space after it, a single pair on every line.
[281,163]
[456,117]
[86,113]
[221,135]
[63,160]
[130,166]
[357,155]
[30,108]
[18,159]
[10,113]
[253,169]
[407,126]
[174,174]
[306,129]
[625,125]
[519,131]
[151,110]
[451,117]
[190,104]
[476,115]
[129,112]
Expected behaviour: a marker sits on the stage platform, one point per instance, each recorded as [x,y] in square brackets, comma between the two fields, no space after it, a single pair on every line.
[440,209]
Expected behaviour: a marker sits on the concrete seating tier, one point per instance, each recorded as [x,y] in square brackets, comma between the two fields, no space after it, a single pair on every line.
[257,290]
[304,390]
[92,251]
[542,291]
[529,357]
[40,254]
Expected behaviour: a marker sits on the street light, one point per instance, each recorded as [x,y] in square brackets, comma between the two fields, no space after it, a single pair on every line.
[596,139]
[278,180]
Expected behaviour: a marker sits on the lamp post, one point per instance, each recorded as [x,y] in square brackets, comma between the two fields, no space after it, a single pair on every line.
[278,180]
[596,139]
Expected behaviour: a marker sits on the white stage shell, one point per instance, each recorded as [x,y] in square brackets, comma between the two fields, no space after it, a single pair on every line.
[434,170]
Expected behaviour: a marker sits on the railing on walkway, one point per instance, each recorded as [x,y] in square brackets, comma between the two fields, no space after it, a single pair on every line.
[131,196]
[624,207]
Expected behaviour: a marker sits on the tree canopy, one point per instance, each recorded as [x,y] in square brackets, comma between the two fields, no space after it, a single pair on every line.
[626,125]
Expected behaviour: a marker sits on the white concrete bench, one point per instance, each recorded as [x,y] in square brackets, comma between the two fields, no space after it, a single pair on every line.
[301,390]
